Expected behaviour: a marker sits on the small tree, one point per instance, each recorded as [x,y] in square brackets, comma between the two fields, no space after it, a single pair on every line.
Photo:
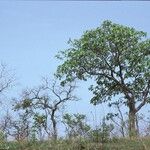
[5,124]
[102,132]
[19,128]
[76,125]
[2,140]
[118,59]
[46,100]
[39,124]
[6,78]
[118,118]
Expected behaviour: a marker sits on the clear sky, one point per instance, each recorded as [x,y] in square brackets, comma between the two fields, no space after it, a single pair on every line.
[32,32]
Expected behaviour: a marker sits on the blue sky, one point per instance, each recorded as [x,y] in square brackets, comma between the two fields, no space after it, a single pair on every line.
[32,32]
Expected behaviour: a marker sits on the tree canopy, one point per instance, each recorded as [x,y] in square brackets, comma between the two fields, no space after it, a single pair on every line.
[117,57]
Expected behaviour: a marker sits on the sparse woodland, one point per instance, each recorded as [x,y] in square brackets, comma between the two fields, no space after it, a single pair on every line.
[117,59]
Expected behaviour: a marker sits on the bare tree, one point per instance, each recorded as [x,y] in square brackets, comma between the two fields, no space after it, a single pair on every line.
[20,128]
[17,128]
[47,100]
[5,124]
[6,79]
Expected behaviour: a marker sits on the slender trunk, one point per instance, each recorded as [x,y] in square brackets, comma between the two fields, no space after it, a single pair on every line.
[122,121]
[132,121]
[137,125]
[54,125]
[122,129]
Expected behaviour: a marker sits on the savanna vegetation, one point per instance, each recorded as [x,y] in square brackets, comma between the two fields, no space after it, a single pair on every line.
[117,60]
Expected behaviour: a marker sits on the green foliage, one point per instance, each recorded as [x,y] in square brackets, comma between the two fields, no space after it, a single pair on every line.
[2,136]
[39,119]
[26,103]
[33,137]
[102,133]
[116,56]
[76,125]
[2,140]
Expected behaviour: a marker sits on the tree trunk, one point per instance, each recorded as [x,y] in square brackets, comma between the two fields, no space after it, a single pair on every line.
[54,130]
[137,125]
[122,129]
[54,134]
[132,122]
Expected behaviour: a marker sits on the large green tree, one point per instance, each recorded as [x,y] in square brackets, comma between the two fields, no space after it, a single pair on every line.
[118,59]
